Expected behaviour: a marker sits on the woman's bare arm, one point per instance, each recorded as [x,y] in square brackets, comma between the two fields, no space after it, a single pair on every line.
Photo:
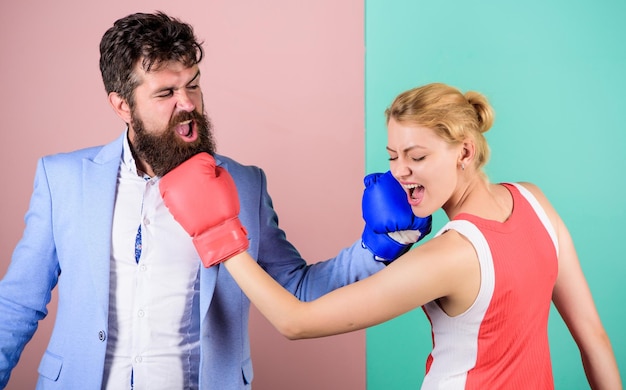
[420,276]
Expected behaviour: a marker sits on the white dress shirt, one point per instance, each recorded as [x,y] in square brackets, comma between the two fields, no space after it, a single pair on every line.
[153,303]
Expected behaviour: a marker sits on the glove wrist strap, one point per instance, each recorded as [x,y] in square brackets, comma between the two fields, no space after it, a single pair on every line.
[382,246]
[221,242]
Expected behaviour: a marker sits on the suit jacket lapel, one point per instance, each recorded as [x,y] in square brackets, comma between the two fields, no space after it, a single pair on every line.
[99,184]
[208,280]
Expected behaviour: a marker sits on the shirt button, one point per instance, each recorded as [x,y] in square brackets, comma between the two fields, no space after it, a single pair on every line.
[143,267]
[138,359]
[141,313]
[146,221]
[102,335]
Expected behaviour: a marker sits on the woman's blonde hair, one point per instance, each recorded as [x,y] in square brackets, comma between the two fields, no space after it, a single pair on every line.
[454,116]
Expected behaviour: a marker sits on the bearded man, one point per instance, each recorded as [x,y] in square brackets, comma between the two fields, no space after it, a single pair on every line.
[137,308]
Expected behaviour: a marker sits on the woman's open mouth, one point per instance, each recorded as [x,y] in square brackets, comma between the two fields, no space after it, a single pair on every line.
[415,193]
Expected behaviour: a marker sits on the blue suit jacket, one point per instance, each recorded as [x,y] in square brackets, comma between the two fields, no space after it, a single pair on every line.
[67,241]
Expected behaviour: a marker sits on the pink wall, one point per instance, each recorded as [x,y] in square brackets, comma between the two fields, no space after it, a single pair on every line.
[283,82]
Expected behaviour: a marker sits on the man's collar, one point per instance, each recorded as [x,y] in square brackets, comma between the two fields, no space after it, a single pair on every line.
[128,160]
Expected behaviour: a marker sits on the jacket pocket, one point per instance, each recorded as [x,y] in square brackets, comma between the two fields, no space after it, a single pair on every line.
[50,366]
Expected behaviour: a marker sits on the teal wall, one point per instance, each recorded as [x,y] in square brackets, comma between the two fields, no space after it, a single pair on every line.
[554,72]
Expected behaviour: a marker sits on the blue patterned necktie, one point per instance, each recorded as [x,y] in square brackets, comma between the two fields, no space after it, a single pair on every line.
[138,244]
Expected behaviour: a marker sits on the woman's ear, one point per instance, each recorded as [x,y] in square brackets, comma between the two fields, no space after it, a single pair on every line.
[468,151]
[120,106]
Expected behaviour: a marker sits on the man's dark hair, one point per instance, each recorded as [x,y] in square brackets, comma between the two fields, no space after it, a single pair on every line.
[153,39]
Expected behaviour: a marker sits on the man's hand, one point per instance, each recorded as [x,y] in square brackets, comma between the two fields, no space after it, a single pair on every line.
[203,199]
[391,228]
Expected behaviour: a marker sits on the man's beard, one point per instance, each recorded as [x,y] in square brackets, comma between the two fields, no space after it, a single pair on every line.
[165,151]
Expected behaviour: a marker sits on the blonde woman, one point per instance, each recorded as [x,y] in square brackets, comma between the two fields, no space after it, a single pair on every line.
[485,281]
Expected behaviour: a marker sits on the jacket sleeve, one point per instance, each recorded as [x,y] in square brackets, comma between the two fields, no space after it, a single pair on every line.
[25,290]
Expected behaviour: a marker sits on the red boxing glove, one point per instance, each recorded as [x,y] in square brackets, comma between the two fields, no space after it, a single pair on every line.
[203,199]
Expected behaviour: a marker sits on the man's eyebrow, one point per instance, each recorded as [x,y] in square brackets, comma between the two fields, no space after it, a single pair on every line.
[168,88]
[195,77]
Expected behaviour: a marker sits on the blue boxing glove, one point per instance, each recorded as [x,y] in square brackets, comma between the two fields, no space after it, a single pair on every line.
[391,228]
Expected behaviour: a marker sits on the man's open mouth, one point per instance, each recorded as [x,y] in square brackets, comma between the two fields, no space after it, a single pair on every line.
[185,129]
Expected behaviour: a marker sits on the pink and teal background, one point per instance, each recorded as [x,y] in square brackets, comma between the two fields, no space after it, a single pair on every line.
[299,88]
